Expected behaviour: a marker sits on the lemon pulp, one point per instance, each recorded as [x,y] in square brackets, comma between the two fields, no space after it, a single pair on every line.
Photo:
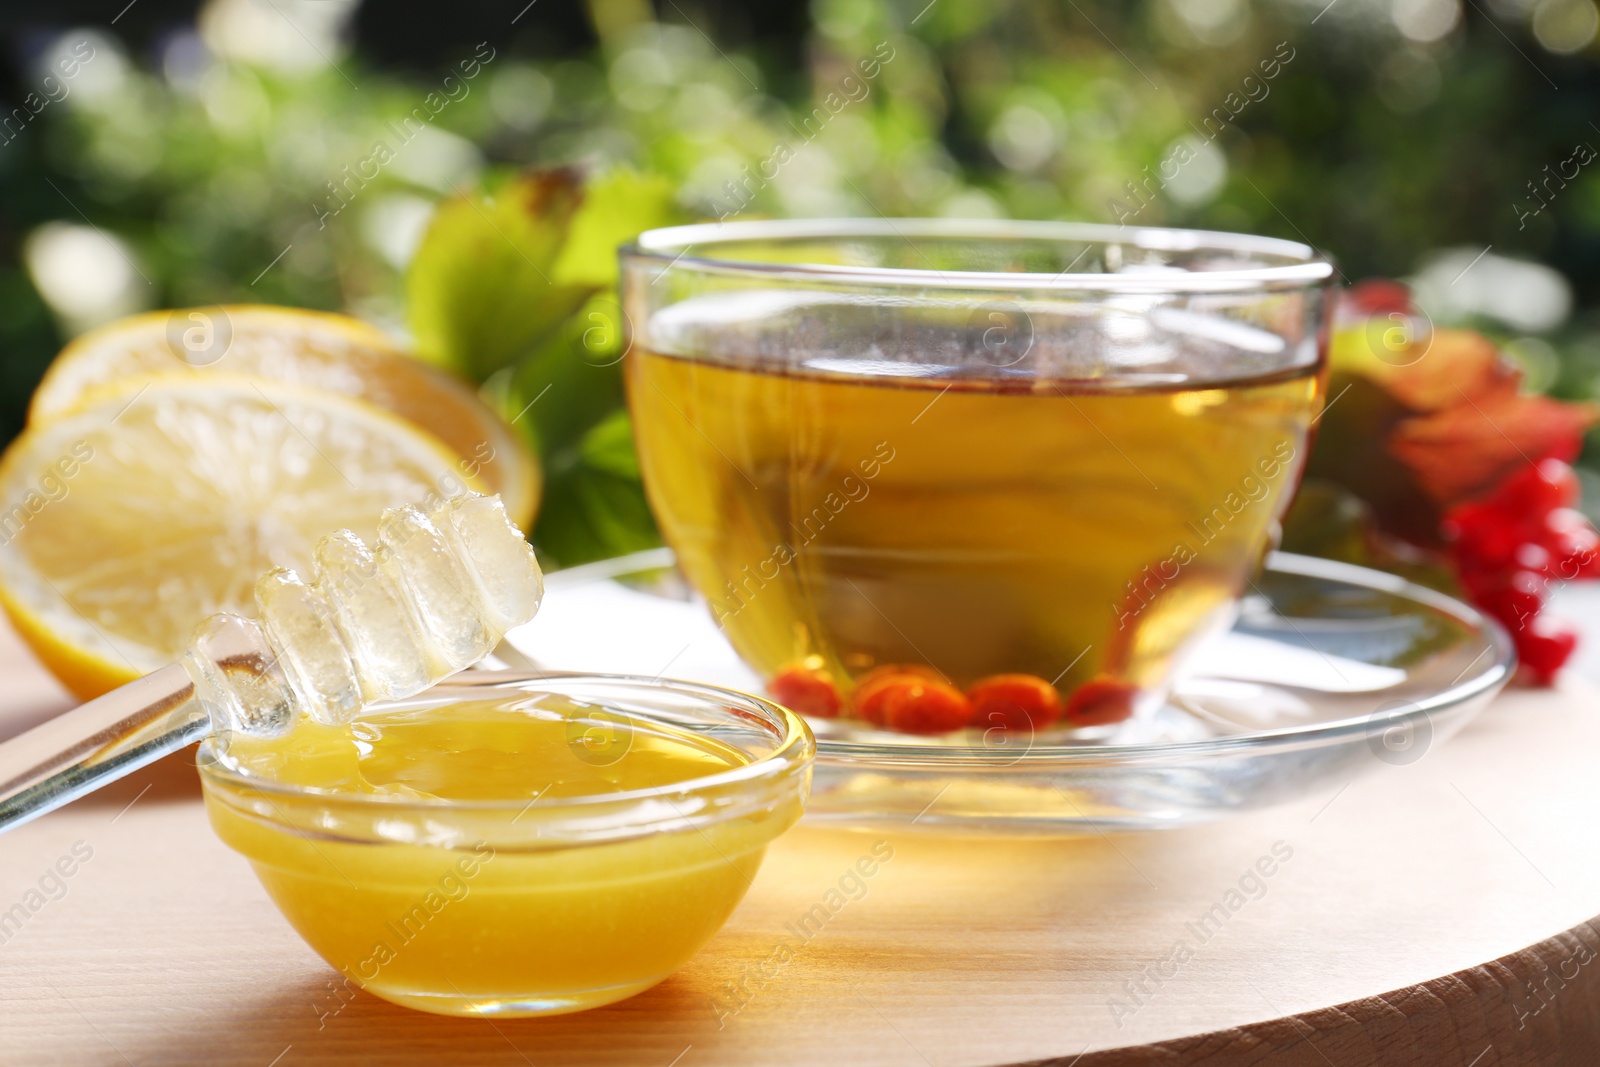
[474,924]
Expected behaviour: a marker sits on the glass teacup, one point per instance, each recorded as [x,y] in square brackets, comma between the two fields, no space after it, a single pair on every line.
[937,474]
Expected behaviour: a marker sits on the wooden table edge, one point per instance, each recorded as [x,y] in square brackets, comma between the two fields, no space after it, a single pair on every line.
[1539,1005]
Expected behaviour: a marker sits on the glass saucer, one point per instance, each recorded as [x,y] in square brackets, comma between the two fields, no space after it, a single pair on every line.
[1328,671]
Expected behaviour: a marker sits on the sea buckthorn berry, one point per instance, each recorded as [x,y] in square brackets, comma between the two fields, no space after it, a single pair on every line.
[810,692]
[917,705]
[871,693]
[867,699]
[1014,702]
[1101,700]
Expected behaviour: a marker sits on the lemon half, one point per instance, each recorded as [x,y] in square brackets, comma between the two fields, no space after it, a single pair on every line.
[299,347]
[126,521]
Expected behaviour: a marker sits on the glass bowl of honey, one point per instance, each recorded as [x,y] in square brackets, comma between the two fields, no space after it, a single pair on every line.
[936,478]
[511,844]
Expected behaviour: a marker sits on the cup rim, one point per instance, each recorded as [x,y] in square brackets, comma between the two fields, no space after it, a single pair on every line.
[792,754]
[670,246]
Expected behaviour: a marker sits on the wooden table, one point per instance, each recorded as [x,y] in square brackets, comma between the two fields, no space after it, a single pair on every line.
[1441,912]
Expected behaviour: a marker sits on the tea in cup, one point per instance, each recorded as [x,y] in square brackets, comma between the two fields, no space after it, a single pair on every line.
[937,475]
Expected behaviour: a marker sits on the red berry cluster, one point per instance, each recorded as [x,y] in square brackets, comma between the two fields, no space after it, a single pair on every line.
[1509,547]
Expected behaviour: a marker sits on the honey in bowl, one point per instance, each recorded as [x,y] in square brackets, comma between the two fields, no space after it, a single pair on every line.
[532,848]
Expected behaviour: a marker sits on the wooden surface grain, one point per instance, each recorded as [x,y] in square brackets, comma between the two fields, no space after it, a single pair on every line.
[1437,912]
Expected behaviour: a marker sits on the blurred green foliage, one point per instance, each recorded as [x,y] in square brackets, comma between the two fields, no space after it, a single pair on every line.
[260,156]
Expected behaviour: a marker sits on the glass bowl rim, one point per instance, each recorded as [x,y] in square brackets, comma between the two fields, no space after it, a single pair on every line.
[792,755]
[670,246]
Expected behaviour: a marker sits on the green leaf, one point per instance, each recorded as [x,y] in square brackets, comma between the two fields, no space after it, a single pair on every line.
[616,208]
[609,447]
[1352,451]
[1330,521]
[571,381]
[518,288]
[595,506]
[481,289]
